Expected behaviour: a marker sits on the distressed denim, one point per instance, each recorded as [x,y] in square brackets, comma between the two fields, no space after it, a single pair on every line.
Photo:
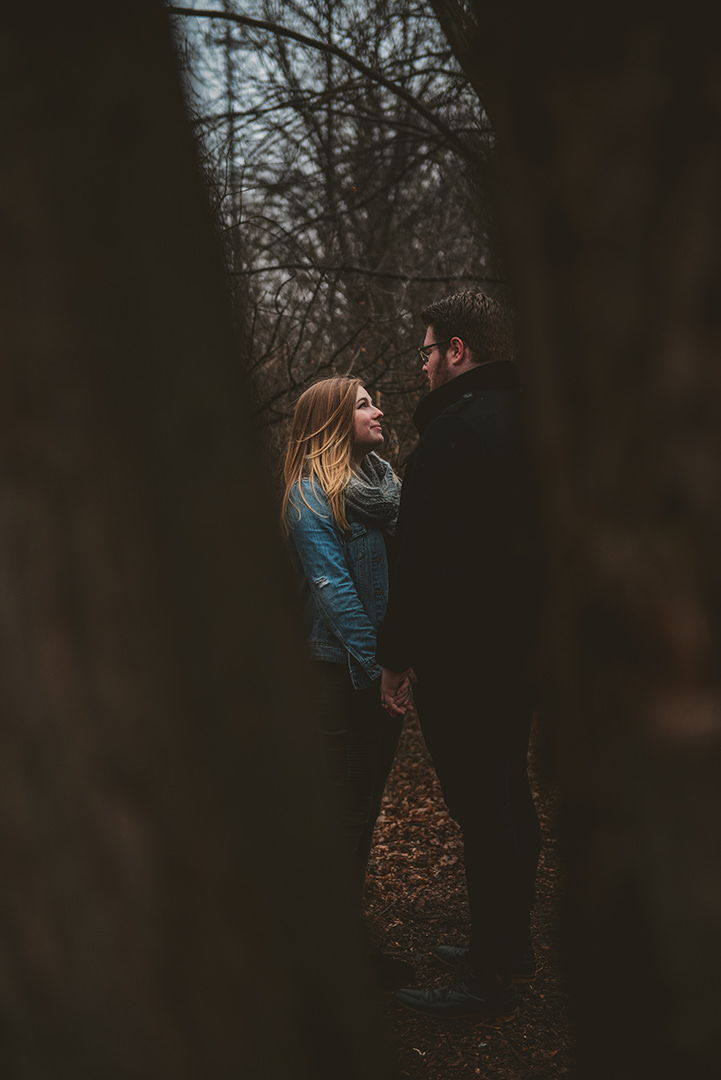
[343,582]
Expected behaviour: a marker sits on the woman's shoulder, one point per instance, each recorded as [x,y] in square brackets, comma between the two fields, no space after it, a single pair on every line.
[309,488]
[307,494]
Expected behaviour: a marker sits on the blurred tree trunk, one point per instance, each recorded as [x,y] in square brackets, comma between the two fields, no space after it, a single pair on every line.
[609,129]
[167,908]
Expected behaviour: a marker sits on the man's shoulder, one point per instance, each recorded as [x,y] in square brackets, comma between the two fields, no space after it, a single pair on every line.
[470,430]
[464,405]
[485,408]
[442,427]
[463,414]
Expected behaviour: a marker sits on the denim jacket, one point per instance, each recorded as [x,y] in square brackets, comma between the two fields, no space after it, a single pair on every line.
[343,582]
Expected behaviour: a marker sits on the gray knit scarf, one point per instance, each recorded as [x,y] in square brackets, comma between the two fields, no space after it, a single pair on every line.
[373,493]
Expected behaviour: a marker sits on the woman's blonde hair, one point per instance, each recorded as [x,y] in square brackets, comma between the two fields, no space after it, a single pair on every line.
[321,443]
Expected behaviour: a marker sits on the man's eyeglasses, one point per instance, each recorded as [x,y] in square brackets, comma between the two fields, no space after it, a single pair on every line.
[424,351]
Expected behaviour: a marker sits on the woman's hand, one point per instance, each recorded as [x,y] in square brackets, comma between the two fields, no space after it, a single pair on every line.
[396,690]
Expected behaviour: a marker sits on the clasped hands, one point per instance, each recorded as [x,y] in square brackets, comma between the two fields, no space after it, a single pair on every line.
[396,690]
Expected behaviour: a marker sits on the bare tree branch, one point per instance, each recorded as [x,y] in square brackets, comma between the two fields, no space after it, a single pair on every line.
[315,268]
[461,148]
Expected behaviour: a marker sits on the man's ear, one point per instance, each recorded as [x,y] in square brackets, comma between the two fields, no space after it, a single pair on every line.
[457,351]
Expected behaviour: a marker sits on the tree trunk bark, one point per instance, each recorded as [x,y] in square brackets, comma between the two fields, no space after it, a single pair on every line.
[167,908]
[609,131]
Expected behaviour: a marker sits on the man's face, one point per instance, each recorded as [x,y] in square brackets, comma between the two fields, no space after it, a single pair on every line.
[436,366]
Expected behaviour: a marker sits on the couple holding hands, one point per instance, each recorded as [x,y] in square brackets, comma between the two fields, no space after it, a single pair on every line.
[430,590]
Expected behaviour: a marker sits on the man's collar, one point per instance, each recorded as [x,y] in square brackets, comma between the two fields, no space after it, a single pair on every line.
[495,375]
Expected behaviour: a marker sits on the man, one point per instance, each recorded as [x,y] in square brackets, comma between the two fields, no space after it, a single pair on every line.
[460,626]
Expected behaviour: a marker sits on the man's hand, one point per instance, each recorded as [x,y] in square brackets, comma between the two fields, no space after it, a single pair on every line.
[396,690]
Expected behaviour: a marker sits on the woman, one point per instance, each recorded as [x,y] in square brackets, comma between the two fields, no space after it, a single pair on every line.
[339,511]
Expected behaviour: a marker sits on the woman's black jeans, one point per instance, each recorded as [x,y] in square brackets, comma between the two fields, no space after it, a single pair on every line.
[359,742]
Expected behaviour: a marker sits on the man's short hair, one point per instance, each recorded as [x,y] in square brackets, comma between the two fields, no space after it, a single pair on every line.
[480,321]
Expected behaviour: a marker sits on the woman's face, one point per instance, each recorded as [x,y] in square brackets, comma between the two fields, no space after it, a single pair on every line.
[368,432]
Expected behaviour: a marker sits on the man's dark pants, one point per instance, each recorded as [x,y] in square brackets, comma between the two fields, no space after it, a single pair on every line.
[476,724]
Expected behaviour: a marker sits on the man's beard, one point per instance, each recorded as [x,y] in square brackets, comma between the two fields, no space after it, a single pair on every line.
[440,374]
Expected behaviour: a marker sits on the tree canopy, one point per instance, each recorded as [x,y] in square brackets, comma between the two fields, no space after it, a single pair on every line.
[346,153]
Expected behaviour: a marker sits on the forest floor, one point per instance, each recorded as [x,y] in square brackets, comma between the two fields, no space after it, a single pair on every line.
[416,900]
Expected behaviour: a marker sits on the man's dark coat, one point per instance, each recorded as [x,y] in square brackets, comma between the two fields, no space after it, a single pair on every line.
[464,583]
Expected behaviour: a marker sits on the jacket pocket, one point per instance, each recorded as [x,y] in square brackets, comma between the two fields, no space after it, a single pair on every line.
[357,544]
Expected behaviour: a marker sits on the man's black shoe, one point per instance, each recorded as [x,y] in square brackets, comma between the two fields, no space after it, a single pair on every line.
[486,1000]
[523,970]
